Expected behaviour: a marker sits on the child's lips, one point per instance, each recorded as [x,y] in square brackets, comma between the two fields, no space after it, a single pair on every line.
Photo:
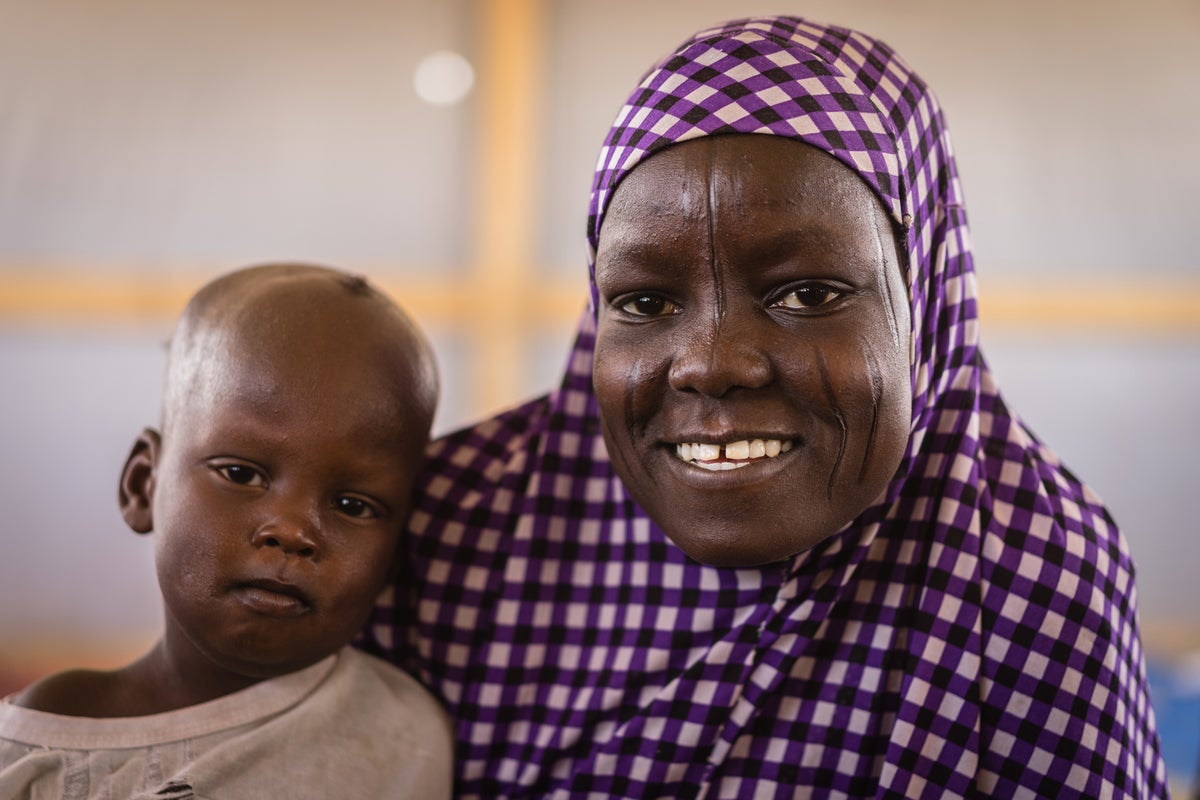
[272,598]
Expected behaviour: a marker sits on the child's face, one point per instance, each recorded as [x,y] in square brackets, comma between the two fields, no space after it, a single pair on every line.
[279,492]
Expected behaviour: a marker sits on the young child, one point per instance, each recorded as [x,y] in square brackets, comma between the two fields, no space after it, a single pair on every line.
[297,405]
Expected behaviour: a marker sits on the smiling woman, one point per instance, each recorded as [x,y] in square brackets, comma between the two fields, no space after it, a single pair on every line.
[751,299]
[777,528]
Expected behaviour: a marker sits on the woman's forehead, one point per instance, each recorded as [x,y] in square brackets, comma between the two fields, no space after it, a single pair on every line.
[739,178]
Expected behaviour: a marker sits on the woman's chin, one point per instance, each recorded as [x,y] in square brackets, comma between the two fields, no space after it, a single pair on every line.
[743,549]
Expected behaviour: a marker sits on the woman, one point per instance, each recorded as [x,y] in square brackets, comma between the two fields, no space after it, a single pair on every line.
[777,529]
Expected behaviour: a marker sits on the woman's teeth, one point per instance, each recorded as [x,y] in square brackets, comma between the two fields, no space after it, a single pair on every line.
[730,456]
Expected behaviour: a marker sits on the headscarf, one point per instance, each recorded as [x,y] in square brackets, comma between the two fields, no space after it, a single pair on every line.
[972,634]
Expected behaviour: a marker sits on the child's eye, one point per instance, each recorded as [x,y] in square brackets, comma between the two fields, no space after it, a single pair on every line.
[241,474]
[646,305]
[356,507]
[809,295]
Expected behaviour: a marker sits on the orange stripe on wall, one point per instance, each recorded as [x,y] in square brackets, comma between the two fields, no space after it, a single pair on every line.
[85,297]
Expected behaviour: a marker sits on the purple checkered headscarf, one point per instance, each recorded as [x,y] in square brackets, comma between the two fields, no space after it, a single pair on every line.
[974,634]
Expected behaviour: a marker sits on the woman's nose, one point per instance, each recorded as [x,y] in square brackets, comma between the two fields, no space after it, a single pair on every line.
[719,354]
[294,532]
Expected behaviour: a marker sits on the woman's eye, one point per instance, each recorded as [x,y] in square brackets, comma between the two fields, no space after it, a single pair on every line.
[647,305]
[241,475]
[355,507]
[811,295]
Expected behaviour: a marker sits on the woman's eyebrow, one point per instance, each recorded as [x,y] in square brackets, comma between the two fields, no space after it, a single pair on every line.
[637,251]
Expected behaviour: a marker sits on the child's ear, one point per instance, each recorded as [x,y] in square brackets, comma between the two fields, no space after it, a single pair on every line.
[136,492]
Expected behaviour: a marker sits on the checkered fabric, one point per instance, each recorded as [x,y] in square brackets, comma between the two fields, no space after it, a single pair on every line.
[973,635]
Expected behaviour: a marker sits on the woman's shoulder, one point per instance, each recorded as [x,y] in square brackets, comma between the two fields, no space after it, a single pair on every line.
[1057,576]
[1028,492]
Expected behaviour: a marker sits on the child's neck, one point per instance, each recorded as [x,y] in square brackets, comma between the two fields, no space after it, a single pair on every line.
[157,683]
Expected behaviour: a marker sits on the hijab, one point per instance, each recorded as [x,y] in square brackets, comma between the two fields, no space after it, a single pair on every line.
[972,633]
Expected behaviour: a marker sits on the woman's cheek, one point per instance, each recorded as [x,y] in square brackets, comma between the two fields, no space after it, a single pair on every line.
[622,382]
[887,398]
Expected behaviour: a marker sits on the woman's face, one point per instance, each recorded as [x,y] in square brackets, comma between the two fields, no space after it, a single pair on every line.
[752,353]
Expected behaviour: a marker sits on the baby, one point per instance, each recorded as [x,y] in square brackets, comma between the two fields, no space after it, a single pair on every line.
[297,406]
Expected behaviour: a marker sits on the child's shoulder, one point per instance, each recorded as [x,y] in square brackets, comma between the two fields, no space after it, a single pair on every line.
[361,671]
[379,688]
[73,693]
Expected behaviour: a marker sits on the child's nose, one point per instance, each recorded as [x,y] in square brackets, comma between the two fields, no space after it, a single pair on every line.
[294,533]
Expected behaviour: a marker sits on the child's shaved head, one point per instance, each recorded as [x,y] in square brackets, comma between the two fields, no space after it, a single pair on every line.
[257,313]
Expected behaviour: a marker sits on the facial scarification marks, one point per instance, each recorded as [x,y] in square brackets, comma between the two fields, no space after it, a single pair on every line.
[637,380]
[889,305]
[831,396]
[718,285]
[876,395]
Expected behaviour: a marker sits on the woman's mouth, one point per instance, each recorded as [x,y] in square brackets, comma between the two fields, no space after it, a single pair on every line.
[731,455]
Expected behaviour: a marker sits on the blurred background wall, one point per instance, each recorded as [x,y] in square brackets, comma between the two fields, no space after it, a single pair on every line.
[148,146]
